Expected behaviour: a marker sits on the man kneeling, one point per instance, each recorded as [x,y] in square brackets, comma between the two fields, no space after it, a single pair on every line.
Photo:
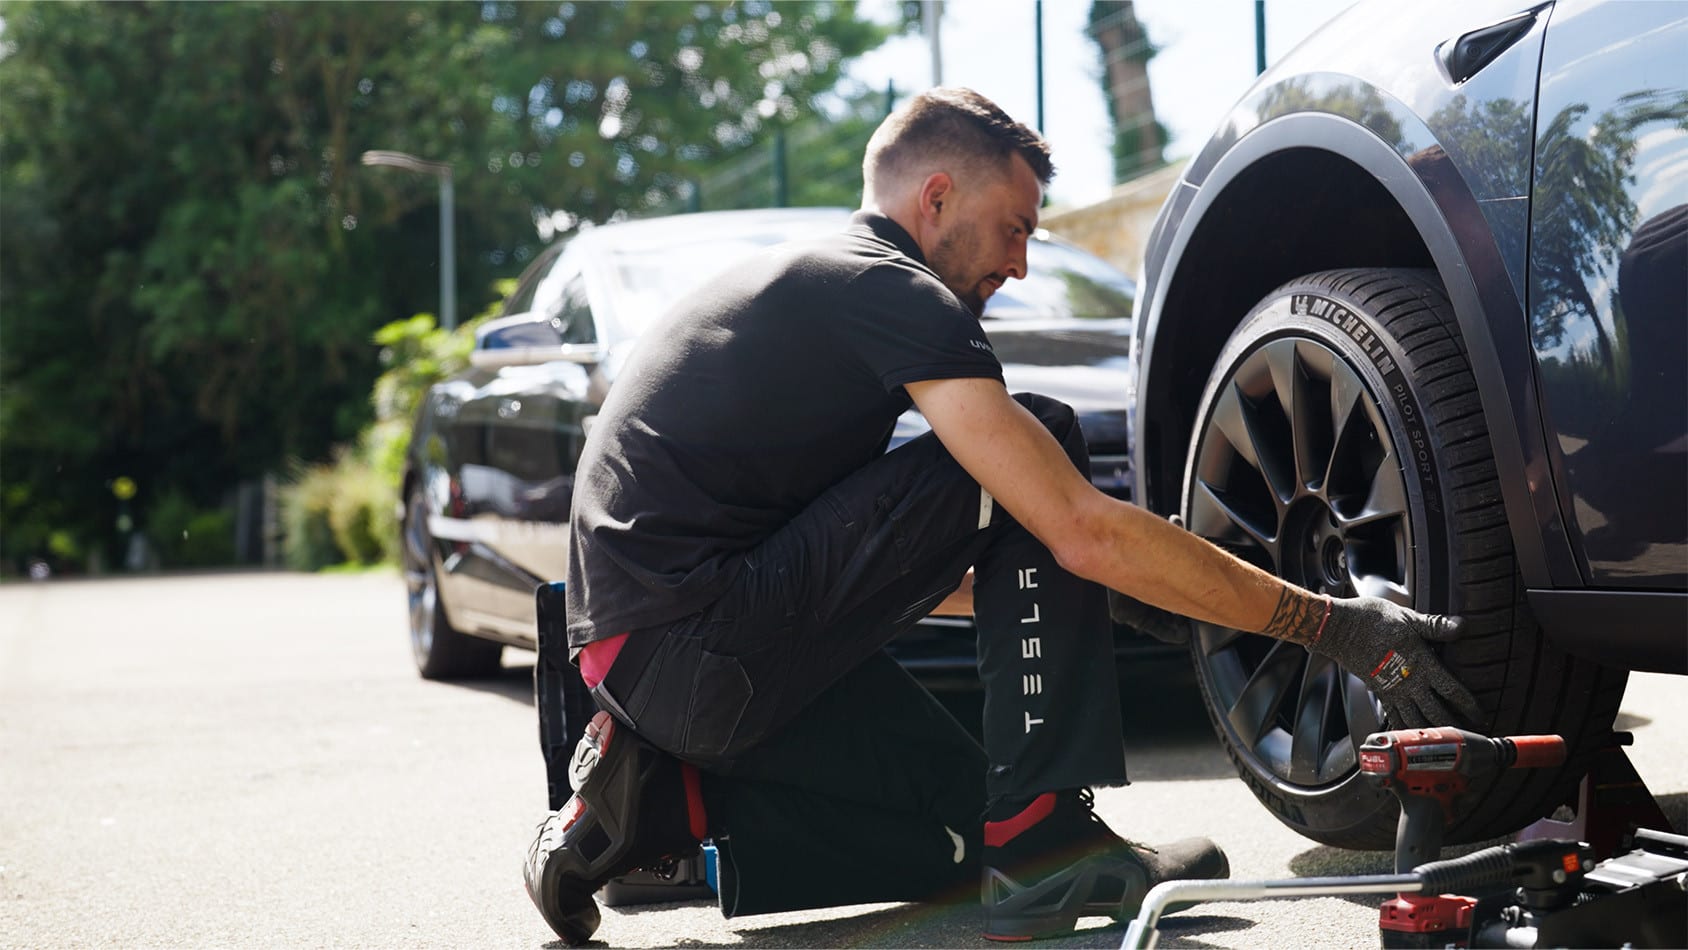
[743,549]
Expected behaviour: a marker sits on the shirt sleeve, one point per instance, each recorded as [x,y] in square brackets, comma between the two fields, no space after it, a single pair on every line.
[905,326]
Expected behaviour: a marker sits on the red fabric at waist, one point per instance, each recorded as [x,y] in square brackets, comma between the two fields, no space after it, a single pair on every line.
[597,657]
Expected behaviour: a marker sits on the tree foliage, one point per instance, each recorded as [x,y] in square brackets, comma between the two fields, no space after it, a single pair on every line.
[1139,138]
[195,260]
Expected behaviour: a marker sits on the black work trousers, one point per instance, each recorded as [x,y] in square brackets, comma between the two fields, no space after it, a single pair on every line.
[817,749]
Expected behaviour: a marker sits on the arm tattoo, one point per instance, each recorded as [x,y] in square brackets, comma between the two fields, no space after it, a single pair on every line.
[1297,617]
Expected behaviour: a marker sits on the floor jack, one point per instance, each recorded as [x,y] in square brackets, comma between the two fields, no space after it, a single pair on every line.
[1537,892]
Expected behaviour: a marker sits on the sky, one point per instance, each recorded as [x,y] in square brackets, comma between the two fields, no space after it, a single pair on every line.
[1205,64]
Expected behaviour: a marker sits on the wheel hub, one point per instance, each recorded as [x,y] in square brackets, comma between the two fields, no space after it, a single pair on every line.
[1315,553]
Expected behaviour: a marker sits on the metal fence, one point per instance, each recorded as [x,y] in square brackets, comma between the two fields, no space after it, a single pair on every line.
[814,162]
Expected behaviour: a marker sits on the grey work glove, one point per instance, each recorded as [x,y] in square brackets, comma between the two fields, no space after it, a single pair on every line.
[1163,625]
[1383,644]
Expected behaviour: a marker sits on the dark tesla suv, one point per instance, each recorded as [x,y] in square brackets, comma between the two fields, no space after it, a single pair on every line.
[1412,325]
[491,464]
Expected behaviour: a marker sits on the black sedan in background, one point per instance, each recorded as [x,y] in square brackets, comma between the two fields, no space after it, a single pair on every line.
[491,465]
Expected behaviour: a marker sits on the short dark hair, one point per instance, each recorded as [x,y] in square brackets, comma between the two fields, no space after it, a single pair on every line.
[954,123]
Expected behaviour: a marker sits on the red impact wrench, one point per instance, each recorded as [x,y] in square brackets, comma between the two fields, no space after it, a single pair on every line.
[1428,769]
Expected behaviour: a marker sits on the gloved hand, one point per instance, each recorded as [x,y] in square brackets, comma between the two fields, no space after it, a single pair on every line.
[1384,645]
[1163,625]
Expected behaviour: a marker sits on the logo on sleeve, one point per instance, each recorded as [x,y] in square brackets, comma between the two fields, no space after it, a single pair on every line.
[982,345]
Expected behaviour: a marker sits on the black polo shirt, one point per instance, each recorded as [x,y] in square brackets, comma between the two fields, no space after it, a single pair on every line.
[742,405]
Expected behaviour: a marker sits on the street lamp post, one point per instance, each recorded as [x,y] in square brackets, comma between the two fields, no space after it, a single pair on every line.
[448,242]
[1259,36]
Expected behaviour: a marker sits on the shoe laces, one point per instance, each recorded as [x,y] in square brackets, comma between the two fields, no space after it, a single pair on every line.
[1087,800]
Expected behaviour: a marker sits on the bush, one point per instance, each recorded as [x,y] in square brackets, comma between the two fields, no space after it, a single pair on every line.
[347,510]
[207,541]
[338,514]
[384,445]
[186,535]
[309,543]
[362,514]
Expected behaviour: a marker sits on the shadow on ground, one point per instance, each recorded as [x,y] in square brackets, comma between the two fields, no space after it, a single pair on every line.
[905,925]
[512,681]
[1323,861]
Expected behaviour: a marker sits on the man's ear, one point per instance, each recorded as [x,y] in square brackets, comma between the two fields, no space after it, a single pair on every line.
[933,192]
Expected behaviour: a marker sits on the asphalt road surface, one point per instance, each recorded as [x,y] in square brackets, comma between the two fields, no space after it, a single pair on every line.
[250,759]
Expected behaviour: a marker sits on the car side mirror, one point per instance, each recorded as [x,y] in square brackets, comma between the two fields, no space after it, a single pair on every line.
[527,339]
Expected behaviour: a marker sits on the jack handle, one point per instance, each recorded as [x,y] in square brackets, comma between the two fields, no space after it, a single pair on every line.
[1490,867]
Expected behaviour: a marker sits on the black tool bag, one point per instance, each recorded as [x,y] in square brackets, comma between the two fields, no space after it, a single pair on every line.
[565,705]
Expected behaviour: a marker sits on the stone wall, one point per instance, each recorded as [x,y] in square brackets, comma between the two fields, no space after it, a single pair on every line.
[1117,227]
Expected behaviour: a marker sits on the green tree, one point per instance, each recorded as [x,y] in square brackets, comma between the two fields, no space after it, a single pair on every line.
[1139,138]
[815,162]
[195,261]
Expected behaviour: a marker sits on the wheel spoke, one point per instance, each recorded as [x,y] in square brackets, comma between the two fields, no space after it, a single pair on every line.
[1387,498]
[1345,401]
[1301,396]
[1371,585]
[1361,710]
[1314,434]
[1318,694]
[1213,517]
[1271,432]
[1228,419]
[1252,715]
[1214,638]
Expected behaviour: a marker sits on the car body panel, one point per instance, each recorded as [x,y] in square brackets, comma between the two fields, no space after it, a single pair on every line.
[1458,159]
[1613,159]
[1456,233]
[1412,108]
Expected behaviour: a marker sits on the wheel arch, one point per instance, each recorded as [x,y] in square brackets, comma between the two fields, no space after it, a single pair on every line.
[1313,191]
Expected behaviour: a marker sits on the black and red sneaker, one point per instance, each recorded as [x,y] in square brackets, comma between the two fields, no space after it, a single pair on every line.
[633,806]
[1057,861]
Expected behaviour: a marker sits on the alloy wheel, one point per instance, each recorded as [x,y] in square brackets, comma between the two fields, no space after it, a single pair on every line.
[1295,470]
[420,585]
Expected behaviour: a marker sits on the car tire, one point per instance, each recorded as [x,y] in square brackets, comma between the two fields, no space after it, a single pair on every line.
[1340,443]
[441,651]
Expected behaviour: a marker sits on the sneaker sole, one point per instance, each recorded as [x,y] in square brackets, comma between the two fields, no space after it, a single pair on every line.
[571,859]
[1053,906]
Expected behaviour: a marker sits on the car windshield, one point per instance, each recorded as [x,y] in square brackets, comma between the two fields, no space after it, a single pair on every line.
[1063,282]
[650,278]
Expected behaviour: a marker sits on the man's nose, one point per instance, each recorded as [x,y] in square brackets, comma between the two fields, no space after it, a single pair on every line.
[1017,263]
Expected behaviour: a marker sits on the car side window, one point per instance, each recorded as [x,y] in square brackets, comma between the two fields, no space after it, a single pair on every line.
[548,295]
[574,313]
[521,301]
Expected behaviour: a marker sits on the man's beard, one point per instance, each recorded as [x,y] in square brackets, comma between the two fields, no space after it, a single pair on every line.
[951,257]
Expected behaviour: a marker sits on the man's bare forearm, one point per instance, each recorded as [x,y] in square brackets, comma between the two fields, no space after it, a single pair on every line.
[1162,564]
